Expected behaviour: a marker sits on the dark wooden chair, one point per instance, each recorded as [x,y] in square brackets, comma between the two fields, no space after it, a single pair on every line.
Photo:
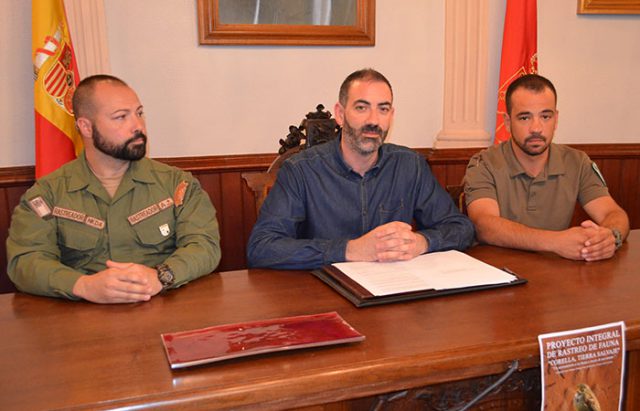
[316,128]
[457,195]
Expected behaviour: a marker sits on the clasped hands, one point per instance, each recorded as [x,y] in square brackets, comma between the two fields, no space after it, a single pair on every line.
[119,283]
[393,241]
[589,242]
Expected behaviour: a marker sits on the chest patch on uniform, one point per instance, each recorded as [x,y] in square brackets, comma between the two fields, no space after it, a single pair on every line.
[79,217]
[164,230]
[153,209]
[598,173]
[178,195]
[40,207]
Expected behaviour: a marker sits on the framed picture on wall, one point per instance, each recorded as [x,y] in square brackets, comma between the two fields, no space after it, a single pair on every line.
[287,22]
[608,6]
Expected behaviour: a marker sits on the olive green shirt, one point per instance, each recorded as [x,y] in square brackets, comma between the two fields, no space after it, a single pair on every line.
[67,226]
[546,201]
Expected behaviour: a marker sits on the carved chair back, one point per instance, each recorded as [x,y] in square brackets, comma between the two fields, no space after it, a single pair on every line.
[316,128]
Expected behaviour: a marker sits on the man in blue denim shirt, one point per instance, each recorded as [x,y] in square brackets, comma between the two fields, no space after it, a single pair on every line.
[354,198]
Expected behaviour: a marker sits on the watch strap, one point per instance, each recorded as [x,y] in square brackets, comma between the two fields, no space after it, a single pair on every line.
[617,235]
[165,276]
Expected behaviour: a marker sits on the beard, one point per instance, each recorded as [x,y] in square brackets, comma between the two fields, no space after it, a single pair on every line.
[530,150]
[361,144]
[126,151]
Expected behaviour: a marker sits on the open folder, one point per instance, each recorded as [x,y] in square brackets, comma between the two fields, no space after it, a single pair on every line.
[428,275]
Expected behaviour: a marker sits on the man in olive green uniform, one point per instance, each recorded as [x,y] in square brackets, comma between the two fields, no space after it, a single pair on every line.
[111,226]
[522,193]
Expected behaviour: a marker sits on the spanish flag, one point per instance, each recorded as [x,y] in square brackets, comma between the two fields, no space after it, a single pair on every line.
[56,77]
[519,53]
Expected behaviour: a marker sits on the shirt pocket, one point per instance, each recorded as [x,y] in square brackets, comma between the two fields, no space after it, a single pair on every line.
[79,243]
[391,210]
[157,232]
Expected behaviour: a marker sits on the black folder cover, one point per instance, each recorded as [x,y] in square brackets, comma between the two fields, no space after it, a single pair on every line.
[360,297]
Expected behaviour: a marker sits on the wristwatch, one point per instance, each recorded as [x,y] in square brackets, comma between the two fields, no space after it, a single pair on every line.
[618,237]
[165,275]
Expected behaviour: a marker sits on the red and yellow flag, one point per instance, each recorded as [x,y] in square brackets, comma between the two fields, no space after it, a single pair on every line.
[56,77]
[519,53]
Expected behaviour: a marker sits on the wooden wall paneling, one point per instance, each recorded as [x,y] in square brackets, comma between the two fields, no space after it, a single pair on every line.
[622,184]
[449,165]
[612,171]
[249,209]
[232,226]
[9,199]
[220,176]
[440,173]
[5,217]
[211,183]
[629,190]
[455,174]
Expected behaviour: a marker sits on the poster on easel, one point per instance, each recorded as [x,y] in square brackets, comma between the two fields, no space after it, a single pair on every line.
[583,370]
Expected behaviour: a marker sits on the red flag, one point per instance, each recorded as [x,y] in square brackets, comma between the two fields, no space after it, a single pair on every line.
[519,53]
[56,77]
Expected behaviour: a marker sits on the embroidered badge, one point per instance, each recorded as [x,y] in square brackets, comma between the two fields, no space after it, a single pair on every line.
[40,207]
[94,222]
[149,211]
[166,203]
[178,195]
[599,174]
[164,230]
[78,217]
[69,214]
[143,214]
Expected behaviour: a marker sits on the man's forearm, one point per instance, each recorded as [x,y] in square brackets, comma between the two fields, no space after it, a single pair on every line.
[294,254]
[618,220]
[506,233]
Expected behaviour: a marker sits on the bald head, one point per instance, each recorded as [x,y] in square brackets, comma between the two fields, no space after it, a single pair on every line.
[83,98]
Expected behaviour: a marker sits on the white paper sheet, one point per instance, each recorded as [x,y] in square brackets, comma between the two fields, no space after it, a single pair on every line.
[438,271]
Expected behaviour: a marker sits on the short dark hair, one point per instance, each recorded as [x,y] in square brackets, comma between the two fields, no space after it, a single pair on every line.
[533,82]
[83,96]
[367,74]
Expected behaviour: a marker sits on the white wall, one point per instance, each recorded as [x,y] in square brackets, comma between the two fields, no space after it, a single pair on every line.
[593,62]
[16,84]
[226,100]
[209,100]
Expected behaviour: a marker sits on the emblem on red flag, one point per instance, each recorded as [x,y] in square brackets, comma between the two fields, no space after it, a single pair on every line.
[59,81]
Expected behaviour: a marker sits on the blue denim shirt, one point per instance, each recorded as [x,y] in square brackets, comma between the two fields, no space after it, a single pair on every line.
[318,203]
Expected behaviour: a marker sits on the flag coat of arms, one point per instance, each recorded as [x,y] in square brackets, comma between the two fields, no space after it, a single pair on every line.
[519,53]
[55,79]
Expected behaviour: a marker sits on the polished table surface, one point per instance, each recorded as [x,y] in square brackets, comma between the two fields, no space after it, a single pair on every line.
[60,354]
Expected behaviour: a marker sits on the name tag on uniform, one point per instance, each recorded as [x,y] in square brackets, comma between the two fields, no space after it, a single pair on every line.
[153,209]
[79,217]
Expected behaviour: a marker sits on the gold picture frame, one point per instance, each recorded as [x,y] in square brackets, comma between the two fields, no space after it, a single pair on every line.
[608,6]
[212,32]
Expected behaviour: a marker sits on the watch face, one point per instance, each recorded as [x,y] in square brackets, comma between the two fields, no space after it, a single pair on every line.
[165,275]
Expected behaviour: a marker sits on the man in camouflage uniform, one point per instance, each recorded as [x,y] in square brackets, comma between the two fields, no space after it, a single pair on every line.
[111,226]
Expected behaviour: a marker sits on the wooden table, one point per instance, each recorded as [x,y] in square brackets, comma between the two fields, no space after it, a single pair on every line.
[76,355]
